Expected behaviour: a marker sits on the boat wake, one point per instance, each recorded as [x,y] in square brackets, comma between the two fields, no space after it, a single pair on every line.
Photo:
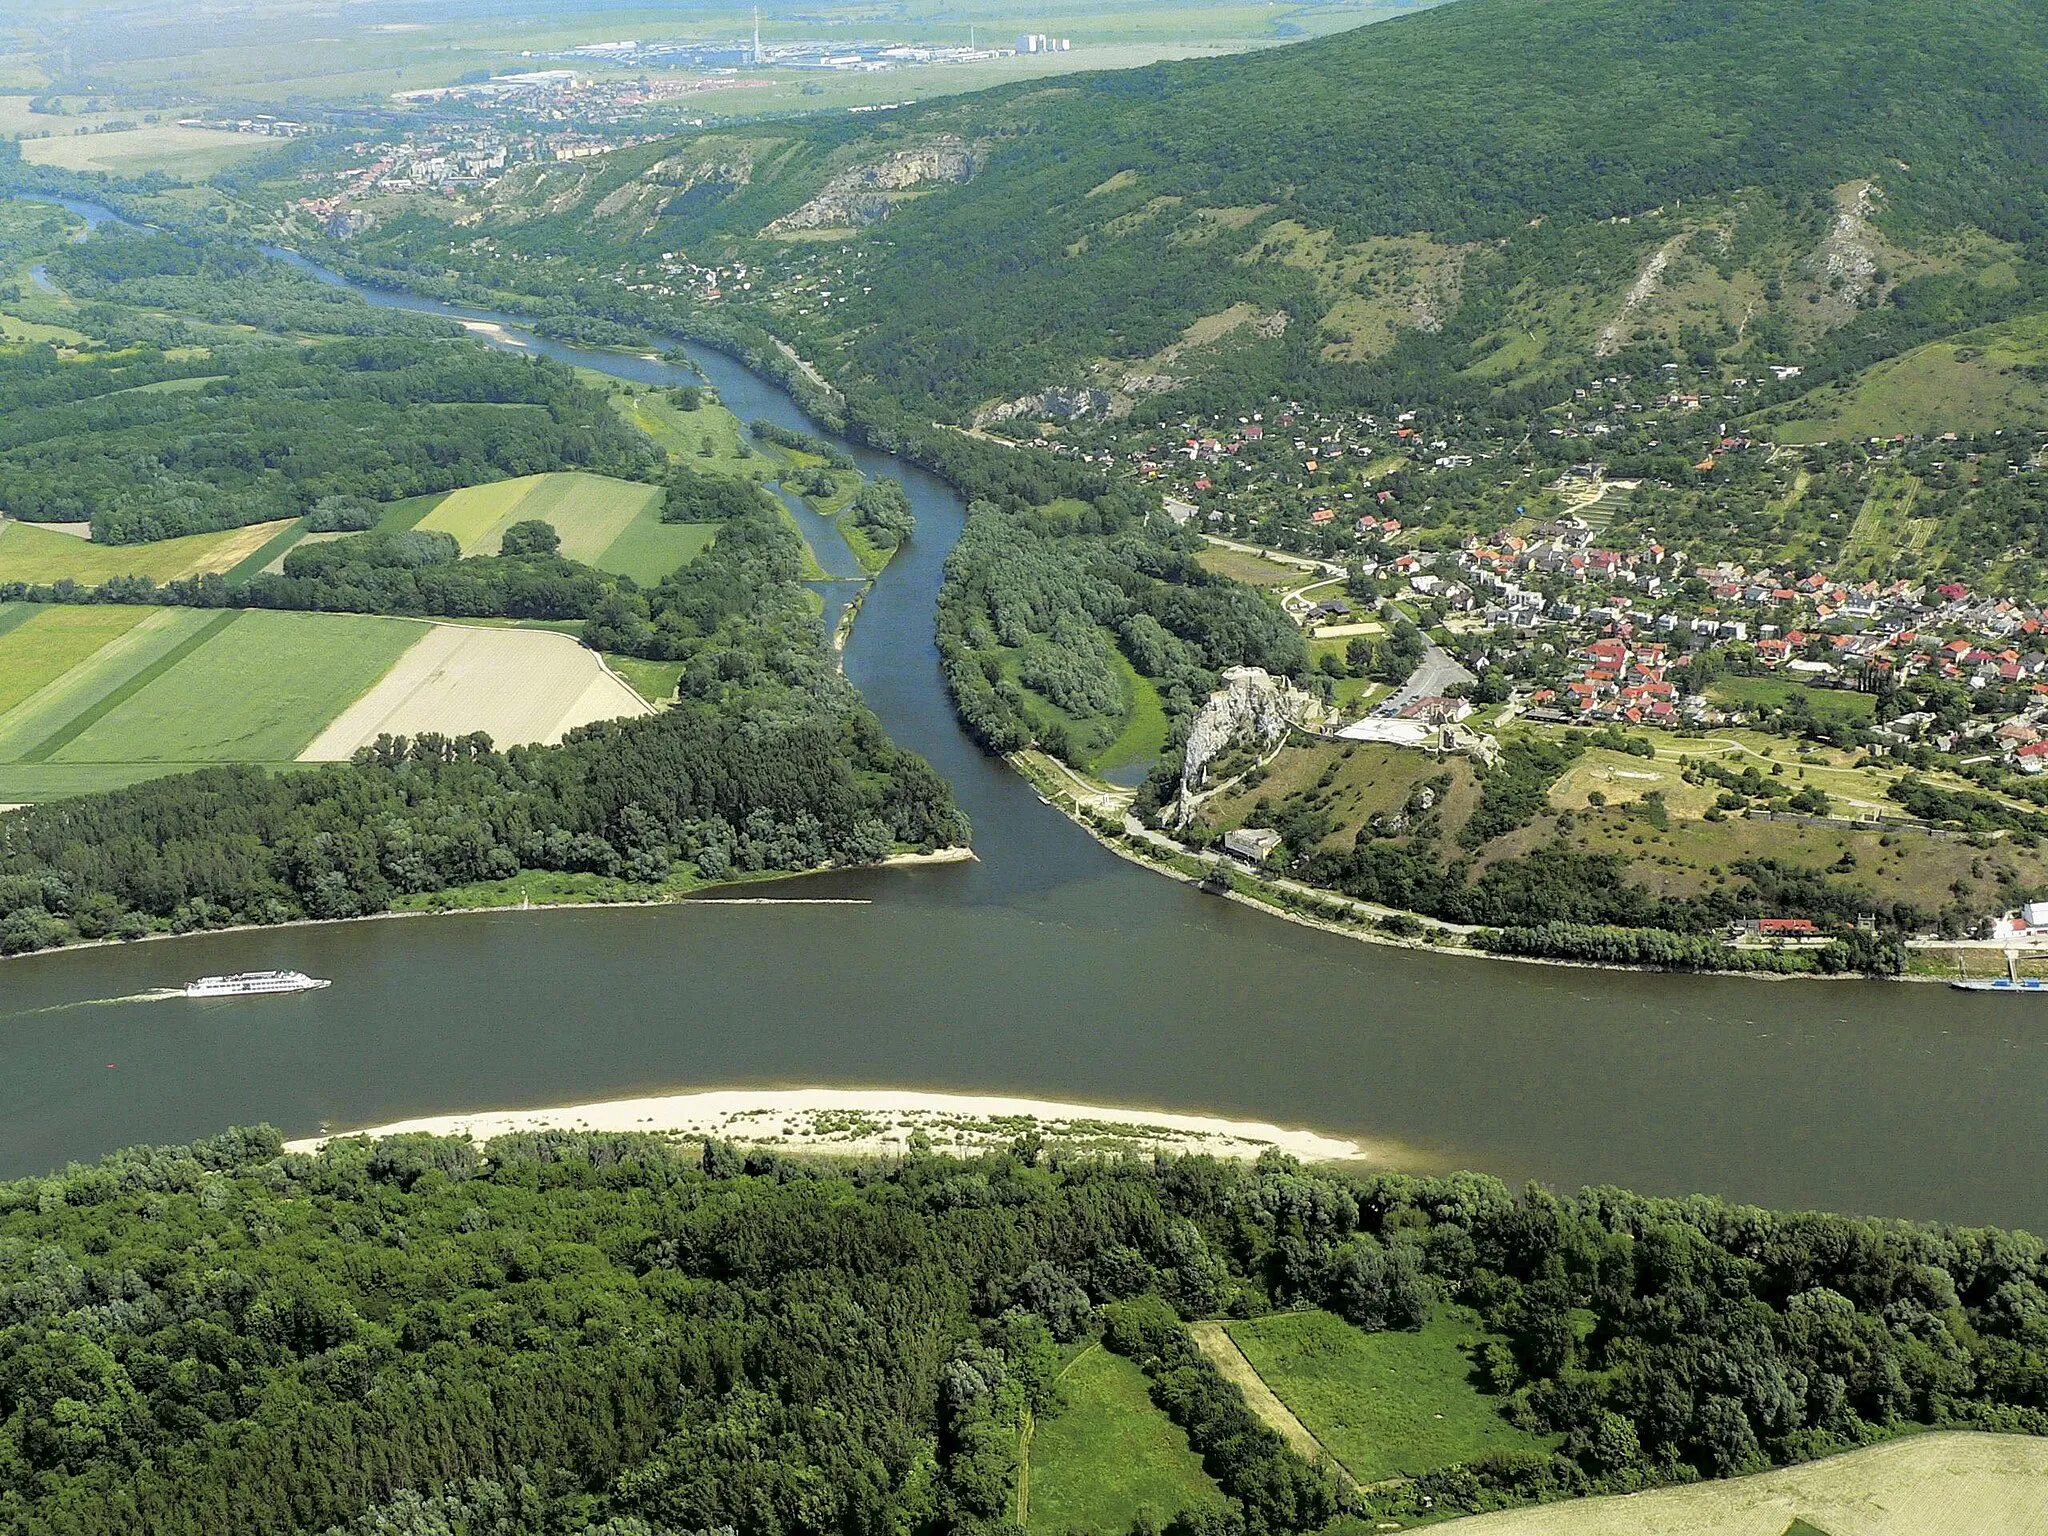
[159,995]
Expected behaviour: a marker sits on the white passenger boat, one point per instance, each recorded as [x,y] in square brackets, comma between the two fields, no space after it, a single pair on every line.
[249,984]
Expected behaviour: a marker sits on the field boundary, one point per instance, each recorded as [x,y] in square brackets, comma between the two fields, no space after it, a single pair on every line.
[1215,1341]
[112,700]
[271,549]
[14,615]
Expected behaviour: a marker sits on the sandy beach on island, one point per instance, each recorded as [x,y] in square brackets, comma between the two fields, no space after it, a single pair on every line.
[881,1120]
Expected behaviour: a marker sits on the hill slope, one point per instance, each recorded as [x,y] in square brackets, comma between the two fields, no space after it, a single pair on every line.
[1490,192]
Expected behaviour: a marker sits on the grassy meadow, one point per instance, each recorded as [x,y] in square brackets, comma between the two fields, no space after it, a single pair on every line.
[1384,1404]
[685,434]
[1108,1453]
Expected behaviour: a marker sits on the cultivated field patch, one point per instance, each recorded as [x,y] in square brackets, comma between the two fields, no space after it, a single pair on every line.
[477,515]
[589,511]
[259,689]
[519,685]
[614,525]
[41,555]
[38,645]
[155,147]
[650,549]
[40,718]
[1924,1485]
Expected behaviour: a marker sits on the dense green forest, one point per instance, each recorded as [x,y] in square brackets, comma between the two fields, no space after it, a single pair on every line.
[215,280]
[1543,149]
[1038,603]
[612,1334]
[274,430]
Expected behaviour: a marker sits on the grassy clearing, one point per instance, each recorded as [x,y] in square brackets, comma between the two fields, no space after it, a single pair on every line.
[1973,382]
[1143,736]
[1366,779]
[1252,570]
[1109,1453]
[258,688]
[1777,692]
[35,554]
[684,433]
[1384,1404]
[39,645]
[1923,1485]
[654,681]
[1622,778]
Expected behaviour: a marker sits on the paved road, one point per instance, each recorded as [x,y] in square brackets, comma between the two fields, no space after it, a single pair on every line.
[1437,671]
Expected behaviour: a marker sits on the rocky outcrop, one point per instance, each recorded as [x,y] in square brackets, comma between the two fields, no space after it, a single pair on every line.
[864,194]
[1254,709]
[1047,405]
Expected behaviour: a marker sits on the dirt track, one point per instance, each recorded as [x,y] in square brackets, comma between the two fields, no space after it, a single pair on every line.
[1224,1354]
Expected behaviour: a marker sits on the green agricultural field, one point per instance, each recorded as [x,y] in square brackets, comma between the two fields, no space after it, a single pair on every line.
[31,553]
[589,511]
[165,147]
[1924,1485]
[614,525]
[39,645]
[168,689]
[1109,1453]
[42,716]
[259,689]
[1384,1404]
[476,516]
[650,549]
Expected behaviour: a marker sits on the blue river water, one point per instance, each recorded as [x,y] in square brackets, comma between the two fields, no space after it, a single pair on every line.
[1048,968]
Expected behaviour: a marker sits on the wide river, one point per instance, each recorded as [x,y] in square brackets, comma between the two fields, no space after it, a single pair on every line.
[1053,969]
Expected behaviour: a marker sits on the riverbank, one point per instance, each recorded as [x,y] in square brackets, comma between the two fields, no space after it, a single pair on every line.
[883,1121]
[1287,900]
[699,894]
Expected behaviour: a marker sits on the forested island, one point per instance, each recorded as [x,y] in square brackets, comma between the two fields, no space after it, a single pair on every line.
[615,1333]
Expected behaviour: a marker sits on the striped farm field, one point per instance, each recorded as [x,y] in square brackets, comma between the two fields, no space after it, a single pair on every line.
[41,555]
[614,525]
[99,697]
[258,688]
[477,516]
[38,645]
